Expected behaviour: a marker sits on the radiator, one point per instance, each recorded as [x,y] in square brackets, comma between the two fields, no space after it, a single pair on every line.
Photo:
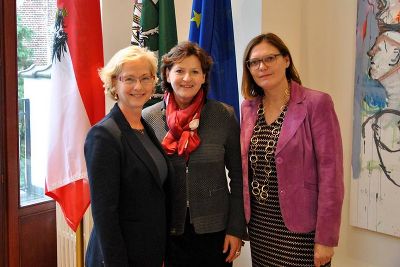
[66,250]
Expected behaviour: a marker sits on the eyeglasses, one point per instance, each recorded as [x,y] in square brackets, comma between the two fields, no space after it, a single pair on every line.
[132,81]
[255,63]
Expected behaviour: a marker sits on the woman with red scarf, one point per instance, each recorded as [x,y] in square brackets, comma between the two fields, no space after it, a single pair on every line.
[201,137]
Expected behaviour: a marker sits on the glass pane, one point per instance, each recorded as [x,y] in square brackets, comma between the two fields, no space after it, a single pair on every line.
[35,22]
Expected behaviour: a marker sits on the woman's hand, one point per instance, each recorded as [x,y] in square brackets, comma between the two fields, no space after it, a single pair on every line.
[232,243]
[322,254]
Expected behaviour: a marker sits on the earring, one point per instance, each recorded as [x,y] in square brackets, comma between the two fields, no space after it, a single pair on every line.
[252,91]
[116,97]
[152,94]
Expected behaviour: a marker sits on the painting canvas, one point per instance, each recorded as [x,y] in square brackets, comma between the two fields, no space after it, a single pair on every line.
[375,185]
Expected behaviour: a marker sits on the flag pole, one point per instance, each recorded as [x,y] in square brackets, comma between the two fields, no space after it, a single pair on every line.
[79,245]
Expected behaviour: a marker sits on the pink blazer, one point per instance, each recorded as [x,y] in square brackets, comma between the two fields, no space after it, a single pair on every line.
[309,163]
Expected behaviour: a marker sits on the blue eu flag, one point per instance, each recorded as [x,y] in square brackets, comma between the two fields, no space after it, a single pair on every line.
[212,28]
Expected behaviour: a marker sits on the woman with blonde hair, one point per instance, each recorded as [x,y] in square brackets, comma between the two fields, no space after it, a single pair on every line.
[127,169]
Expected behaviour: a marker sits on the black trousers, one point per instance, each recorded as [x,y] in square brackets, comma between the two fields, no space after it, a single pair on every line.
[196,250]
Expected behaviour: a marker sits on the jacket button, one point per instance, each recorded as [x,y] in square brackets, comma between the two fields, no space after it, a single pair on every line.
[279,160]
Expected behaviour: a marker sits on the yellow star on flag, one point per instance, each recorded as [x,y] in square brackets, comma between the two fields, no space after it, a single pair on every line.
[196,18]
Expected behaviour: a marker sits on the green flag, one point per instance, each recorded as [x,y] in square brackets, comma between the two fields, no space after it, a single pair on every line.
[157,25]
[157,29]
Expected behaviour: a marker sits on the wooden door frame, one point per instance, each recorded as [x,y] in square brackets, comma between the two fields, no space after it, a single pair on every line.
[15,220]
[10,138]
[3,252]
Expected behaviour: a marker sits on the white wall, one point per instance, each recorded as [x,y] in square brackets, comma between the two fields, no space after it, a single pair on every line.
[246,17]
[321,37]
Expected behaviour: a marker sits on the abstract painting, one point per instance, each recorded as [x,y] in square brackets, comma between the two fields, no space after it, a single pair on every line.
[375,185]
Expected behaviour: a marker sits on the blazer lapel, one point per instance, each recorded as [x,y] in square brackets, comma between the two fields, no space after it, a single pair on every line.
[136,145]
[294,117]
[249,118]
[157,143]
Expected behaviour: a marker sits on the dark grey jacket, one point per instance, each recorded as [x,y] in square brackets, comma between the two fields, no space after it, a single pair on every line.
[203,184]
[128,200]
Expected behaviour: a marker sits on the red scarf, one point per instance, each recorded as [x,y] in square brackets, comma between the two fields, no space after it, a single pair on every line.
[182,136]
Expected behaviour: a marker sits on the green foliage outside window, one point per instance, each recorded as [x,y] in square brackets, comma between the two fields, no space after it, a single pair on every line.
[24,55]
[24,35]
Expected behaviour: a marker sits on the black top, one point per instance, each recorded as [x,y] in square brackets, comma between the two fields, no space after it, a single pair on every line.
[154,152]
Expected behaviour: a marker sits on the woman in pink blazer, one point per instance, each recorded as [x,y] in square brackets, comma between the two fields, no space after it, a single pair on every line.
[292,161]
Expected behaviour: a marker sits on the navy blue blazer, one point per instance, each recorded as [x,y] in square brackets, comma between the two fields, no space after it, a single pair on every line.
[129,204]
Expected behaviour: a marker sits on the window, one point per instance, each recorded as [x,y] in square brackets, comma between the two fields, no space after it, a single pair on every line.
[35,22]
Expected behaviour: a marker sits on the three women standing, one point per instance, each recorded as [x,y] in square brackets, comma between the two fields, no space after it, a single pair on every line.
[291,158]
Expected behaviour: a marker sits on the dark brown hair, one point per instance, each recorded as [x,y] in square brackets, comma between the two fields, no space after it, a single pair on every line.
[249,88]
[179,53]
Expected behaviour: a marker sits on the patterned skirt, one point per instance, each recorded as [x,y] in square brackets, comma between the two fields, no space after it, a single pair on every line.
[271,243]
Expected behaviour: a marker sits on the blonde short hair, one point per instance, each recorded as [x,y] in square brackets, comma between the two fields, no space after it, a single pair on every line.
[114,67]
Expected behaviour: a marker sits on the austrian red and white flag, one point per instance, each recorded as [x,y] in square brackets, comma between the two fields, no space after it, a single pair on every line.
[77,102]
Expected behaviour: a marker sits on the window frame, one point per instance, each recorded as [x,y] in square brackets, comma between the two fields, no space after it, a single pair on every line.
[14,220]
[9,148]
